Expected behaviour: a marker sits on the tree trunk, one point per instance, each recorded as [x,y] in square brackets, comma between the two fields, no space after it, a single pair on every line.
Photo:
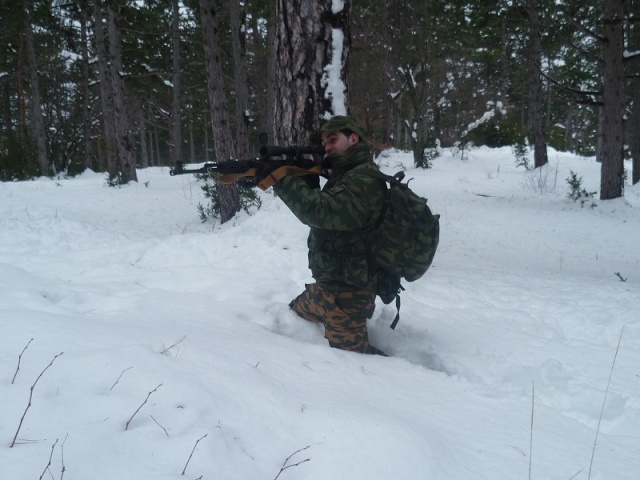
[222,139]
[151,145]
[106,95]
[125,146]
[239,42]
[175,137]
[311,51]
[37,124]
[633,125]
[536,111]
[568,130]
[612,155]
[634,136]
[86,111]
[270,110]
[142,132]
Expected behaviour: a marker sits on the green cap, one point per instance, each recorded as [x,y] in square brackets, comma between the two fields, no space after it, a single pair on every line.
[337,124]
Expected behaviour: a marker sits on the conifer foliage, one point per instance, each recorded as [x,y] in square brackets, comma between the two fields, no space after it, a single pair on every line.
[117,84]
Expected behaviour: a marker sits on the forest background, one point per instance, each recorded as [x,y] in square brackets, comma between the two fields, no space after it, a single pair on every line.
[162,81]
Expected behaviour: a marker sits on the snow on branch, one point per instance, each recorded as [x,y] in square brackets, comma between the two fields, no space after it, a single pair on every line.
[492,108]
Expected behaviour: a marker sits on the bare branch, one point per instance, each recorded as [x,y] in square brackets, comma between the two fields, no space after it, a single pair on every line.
[583,29]
[142,405]
[64,468]
[157,423]
[13,442]
[194,449]
[121,373]
[19,359]
[285,466]
[50,457]
[166,350]
[622,279]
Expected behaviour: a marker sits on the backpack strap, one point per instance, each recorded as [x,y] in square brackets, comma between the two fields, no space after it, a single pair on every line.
[390,179]
[396,178]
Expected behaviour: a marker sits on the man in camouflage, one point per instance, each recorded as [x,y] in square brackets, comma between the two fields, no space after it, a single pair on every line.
[343,297]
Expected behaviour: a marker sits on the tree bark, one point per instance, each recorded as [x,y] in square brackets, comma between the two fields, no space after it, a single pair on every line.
[106,94]
[125,145]
[633,126]
[308,36]
[612,155]
[536,110]
[222,140]
[86,111]
[142,132]
[634,136]
[239,42]
[37,124]
[175,137]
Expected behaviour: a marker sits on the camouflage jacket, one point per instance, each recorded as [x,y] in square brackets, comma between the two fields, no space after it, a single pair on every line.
[349,203]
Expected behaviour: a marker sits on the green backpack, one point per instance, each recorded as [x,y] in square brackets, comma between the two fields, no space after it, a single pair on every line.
[404,240]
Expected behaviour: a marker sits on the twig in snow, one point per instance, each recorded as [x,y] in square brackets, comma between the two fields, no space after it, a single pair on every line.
[62,456]
[285,466]
[121,373]
[165,430]
[13,442]
[191,455]
[126,427]
[577,473]
[166,350]
[604,401]
[50,457]
[533,392]
[20,358]
[617,274]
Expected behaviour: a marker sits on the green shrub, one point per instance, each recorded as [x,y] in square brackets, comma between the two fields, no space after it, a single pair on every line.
[248,198]
[577,191]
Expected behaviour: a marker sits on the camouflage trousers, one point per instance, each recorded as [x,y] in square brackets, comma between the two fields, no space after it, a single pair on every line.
[344,315]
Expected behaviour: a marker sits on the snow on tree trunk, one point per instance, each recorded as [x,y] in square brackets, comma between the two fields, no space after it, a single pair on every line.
[312,44]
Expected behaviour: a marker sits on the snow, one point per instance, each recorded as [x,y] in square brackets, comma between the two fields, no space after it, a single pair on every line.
[331,79]
[498,368]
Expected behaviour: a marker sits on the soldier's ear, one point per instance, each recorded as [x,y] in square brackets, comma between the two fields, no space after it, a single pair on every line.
[354,138]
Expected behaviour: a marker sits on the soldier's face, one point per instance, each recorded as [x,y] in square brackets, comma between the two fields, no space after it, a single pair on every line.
[335,143]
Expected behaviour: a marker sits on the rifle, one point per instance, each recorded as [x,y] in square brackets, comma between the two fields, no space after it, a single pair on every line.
[273,156]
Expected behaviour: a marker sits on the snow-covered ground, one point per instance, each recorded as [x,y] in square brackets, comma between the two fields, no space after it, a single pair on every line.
[155,342]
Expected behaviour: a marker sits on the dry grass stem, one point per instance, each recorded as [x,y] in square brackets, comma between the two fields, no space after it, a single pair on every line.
[121,373]
[606,392]
[191,454]
[126,427]
[50,457]
[285,466]
[13,442]
[19,359]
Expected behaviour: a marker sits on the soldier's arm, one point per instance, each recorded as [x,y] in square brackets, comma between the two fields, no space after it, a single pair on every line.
[351,204]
